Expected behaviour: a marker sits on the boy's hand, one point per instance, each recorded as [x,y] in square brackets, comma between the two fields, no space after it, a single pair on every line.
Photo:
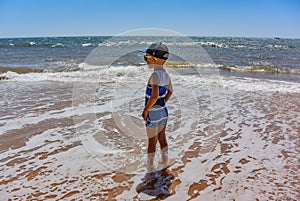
[144,114]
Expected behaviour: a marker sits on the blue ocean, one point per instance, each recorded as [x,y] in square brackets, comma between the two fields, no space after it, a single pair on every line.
[272,58]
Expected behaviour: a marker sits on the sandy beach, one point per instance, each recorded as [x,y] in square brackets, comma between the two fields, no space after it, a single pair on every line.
[256,156]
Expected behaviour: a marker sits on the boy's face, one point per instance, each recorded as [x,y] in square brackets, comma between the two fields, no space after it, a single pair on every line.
[153,61]
[150,60]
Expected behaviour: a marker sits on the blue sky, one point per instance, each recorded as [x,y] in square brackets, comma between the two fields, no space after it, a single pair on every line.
[249,18]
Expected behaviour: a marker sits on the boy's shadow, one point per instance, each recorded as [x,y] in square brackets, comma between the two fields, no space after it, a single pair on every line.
[156,184]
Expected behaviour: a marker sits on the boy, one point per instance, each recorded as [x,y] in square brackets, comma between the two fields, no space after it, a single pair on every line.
[158,92]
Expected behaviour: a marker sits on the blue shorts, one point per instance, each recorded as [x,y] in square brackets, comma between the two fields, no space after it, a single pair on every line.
[157,117]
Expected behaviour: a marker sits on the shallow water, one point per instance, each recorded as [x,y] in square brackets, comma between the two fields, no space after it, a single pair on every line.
[59,142]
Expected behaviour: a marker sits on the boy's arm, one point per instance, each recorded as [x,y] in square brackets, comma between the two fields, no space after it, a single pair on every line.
[170,91]
[155,94]
[152,100]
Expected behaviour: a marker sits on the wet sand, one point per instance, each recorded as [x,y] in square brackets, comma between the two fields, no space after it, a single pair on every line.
[256,157]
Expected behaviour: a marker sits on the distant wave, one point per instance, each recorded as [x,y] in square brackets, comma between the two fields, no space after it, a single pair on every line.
[86,44]
[261,47]
[146,43]
[25,70]
[196,43]
[20,70]
[57,45]
[280,47]
[90,70]
[214,44]
[255,47]
[32,44]
[260,69]
[51,45]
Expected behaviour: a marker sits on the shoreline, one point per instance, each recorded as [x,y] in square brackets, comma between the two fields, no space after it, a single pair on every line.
[43,75]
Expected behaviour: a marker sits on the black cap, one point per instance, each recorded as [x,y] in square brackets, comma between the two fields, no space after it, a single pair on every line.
[158,50]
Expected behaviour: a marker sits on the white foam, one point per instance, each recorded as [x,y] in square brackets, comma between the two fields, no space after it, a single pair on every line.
[17,123]
[94,74]
[32,43]
[57,45]
[86,44]
[214,44]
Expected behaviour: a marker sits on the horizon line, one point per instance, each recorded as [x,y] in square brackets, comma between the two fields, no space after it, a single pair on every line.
[214,36]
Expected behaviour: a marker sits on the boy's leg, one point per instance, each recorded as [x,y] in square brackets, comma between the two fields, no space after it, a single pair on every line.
[163,143]
[152,141]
